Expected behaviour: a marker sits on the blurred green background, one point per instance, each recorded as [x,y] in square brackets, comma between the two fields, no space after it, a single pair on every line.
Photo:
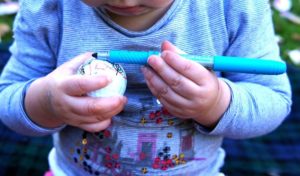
[289,31]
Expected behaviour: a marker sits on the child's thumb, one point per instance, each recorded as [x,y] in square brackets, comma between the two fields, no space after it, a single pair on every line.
[73,64]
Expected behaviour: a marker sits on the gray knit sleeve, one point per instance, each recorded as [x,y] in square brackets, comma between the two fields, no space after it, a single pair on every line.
[33,56]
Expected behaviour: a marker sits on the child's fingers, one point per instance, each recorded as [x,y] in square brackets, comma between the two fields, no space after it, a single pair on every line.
[173,108]
[182,66]
[101,107]
[77,85]
[190,69]
[73,65]
[95,127]
[178,94]
[174,80]
[75,119]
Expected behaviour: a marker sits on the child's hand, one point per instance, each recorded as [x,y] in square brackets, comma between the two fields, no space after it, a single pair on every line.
[59,98]
[186,88]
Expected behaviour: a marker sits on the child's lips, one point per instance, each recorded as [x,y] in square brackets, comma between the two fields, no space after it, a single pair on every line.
[127,10]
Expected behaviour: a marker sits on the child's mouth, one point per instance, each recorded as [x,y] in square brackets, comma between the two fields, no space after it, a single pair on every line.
[126,10]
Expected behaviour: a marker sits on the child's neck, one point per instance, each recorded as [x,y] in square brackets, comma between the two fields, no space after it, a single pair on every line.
[140,22]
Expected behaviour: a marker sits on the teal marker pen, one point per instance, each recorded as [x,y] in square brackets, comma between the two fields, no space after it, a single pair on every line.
[216,63]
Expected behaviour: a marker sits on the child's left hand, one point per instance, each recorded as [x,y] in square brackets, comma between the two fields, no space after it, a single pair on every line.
[187,89]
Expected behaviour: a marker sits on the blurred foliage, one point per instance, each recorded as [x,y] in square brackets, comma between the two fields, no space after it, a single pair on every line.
[7,19]
[289,31]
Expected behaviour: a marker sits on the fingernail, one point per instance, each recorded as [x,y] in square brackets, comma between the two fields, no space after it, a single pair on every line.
[150,60]
[164,54]
[153,61]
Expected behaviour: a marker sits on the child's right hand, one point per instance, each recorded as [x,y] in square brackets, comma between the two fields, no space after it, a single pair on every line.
[59,98]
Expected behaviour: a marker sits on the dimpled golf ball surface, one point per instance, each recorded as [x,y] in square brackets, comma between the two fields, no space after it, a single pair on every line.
[115,71]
